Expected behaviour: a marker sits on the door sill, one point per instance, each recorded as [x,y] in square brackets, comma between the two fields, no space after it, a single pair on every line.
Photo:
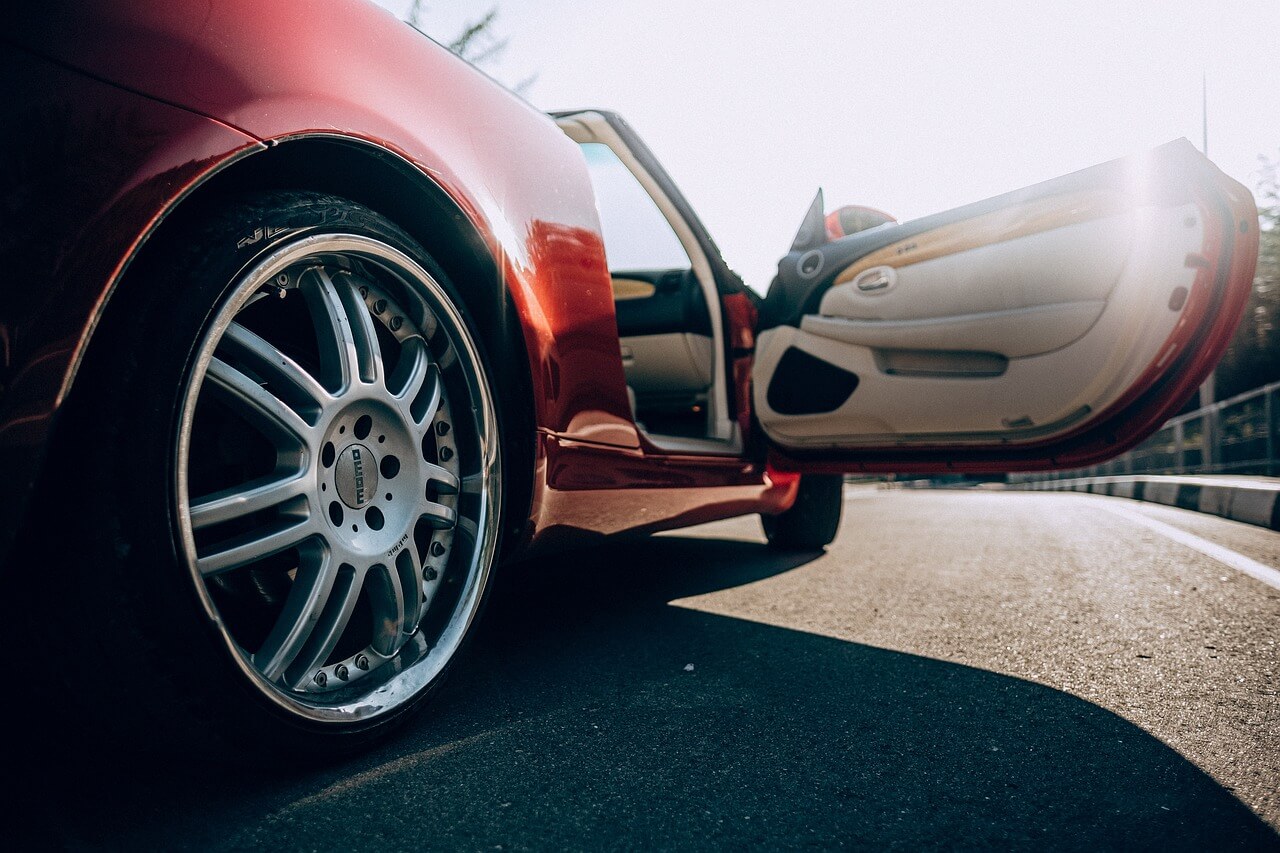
[731,446]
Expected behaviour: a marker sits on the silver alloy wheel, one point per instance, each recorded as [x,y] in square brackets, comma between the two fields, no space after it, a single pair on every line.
[338,485]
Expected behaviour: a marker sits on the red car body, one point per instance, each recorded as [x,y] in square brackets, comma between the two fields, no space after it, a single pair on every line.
[117,145]
[241,234]
[115,140]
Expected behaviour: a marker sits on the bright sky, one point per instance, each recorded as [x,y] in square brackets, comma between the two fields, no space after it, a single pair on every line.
[911,107]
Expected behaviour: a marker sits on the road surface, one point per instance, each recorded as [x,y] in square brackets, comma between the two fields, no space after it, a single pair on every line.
[964,668]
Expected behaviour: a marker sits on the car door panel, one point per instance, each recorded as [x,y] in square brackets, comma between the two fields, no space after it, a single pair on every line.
[1012,333]
[1045,357]
[627,289]
[1015,330]
[668,363]
[987,277]
[653,302]
[664,331]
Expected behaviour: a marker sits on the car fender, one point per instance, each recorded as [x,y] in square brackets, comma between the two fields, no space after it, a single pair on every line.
[203,94]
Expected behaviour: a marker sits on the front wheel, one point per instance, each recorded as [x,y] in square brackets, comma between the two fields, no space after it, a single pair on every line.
[813,520]
[291,434]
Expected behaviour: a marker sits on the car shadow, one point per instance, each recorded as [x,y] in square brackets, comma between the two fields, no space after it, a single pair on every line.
[576,723]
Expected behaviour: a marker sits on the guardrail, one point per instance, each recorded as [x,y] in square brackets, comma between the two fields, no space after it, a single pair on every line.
[1239,435]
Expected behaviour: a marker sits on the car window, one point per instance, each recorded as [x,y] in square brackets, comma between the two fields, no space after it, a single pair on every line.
[636,234]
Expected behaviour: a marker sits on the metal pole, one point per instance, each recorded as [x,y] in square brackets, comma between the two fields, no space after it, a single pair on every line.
[1269,425]
[1209,423]
[1209,426]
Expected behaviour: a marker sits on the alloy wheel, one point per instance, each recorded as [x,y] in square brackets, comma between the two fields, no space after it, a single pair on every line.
[338,477]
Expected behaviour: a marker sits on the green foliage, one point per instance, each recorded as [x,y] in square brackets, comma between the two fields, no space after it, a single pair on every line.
[1253,357]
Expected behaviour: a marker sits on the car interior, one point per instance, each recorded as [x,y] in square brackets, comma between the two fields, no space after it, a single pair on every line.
[663,290]
[973,325]
[981,322]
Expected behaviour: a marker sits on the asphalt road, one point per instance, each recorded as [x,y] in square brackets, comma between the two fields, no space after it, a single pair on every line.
[960,669]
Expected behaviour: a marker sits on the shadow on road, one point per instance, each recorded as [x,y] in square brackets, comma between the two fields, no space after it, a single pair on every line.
[575,724]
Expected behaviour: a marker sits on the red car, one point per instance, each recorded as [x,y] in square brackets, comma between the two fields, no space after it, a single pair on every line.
[308,325]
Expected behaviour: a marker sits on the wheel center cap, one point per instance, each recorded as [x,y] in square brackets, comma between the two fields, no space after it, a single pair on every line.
[356,476]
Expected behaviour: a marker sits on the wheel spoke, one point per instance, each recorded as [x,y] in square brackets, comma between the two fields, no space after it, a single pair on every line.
[364,330]
[425,404]
[416,384]
[295,385]
[439,516]
[281,424]
[253,546]
[448,358]
[445,481]
[317,607]
[411,371]
[348,341]
[394,601]
[243,500]
[410,571]
[328,629]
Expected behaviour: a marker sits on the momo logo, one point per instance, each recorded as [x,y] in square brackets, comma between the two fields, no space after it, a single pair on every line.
[356,476]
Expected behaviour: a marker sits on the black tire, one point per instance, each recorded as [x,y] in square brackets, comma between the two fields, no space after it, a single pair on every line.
[813,520]
[144,647]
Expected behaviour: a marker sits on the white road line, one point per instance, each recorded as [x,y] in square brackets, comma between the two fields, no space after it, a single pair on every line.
[1226,556]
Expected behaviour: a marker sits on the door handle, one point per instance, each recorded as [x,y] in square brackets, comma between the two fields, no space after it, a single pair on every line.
[875,279]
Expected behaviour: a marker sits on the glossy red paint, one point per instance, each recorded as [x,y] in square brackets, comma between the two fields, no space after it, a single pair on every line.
[572,333]
[119,112]
[594,491]
[741,318]
[785,480]
[1215,304]
[353,70]
[213,83]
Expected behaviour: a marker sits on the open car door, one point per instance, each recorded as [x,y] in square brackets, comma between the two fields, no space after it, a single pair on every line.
[1054,326]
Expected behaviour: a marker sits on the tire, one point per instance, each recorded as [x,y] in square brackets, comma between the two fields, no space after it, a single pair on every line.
[287,432]
[813,520]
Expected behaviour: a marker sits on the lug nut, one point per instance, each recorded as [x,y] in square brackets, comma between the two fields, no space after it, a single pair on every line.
[341,672]
[380,306]
[429,574]
[446,454]
[362,662]
[321,678]
[364,291]
[442,428]
[437,548]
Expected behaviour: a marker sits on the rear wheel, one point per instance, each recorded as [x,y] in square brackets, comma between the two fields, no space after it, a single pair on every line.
[290,429]
[813,520]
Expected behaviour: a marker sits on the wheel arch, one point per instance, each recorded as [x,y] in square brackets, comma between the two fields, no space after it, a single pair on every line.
[390,185]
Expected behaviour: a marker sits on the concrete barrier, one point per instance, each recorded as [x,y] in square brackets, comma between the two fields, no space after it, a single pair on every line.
[1161,493]
[1253,500]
